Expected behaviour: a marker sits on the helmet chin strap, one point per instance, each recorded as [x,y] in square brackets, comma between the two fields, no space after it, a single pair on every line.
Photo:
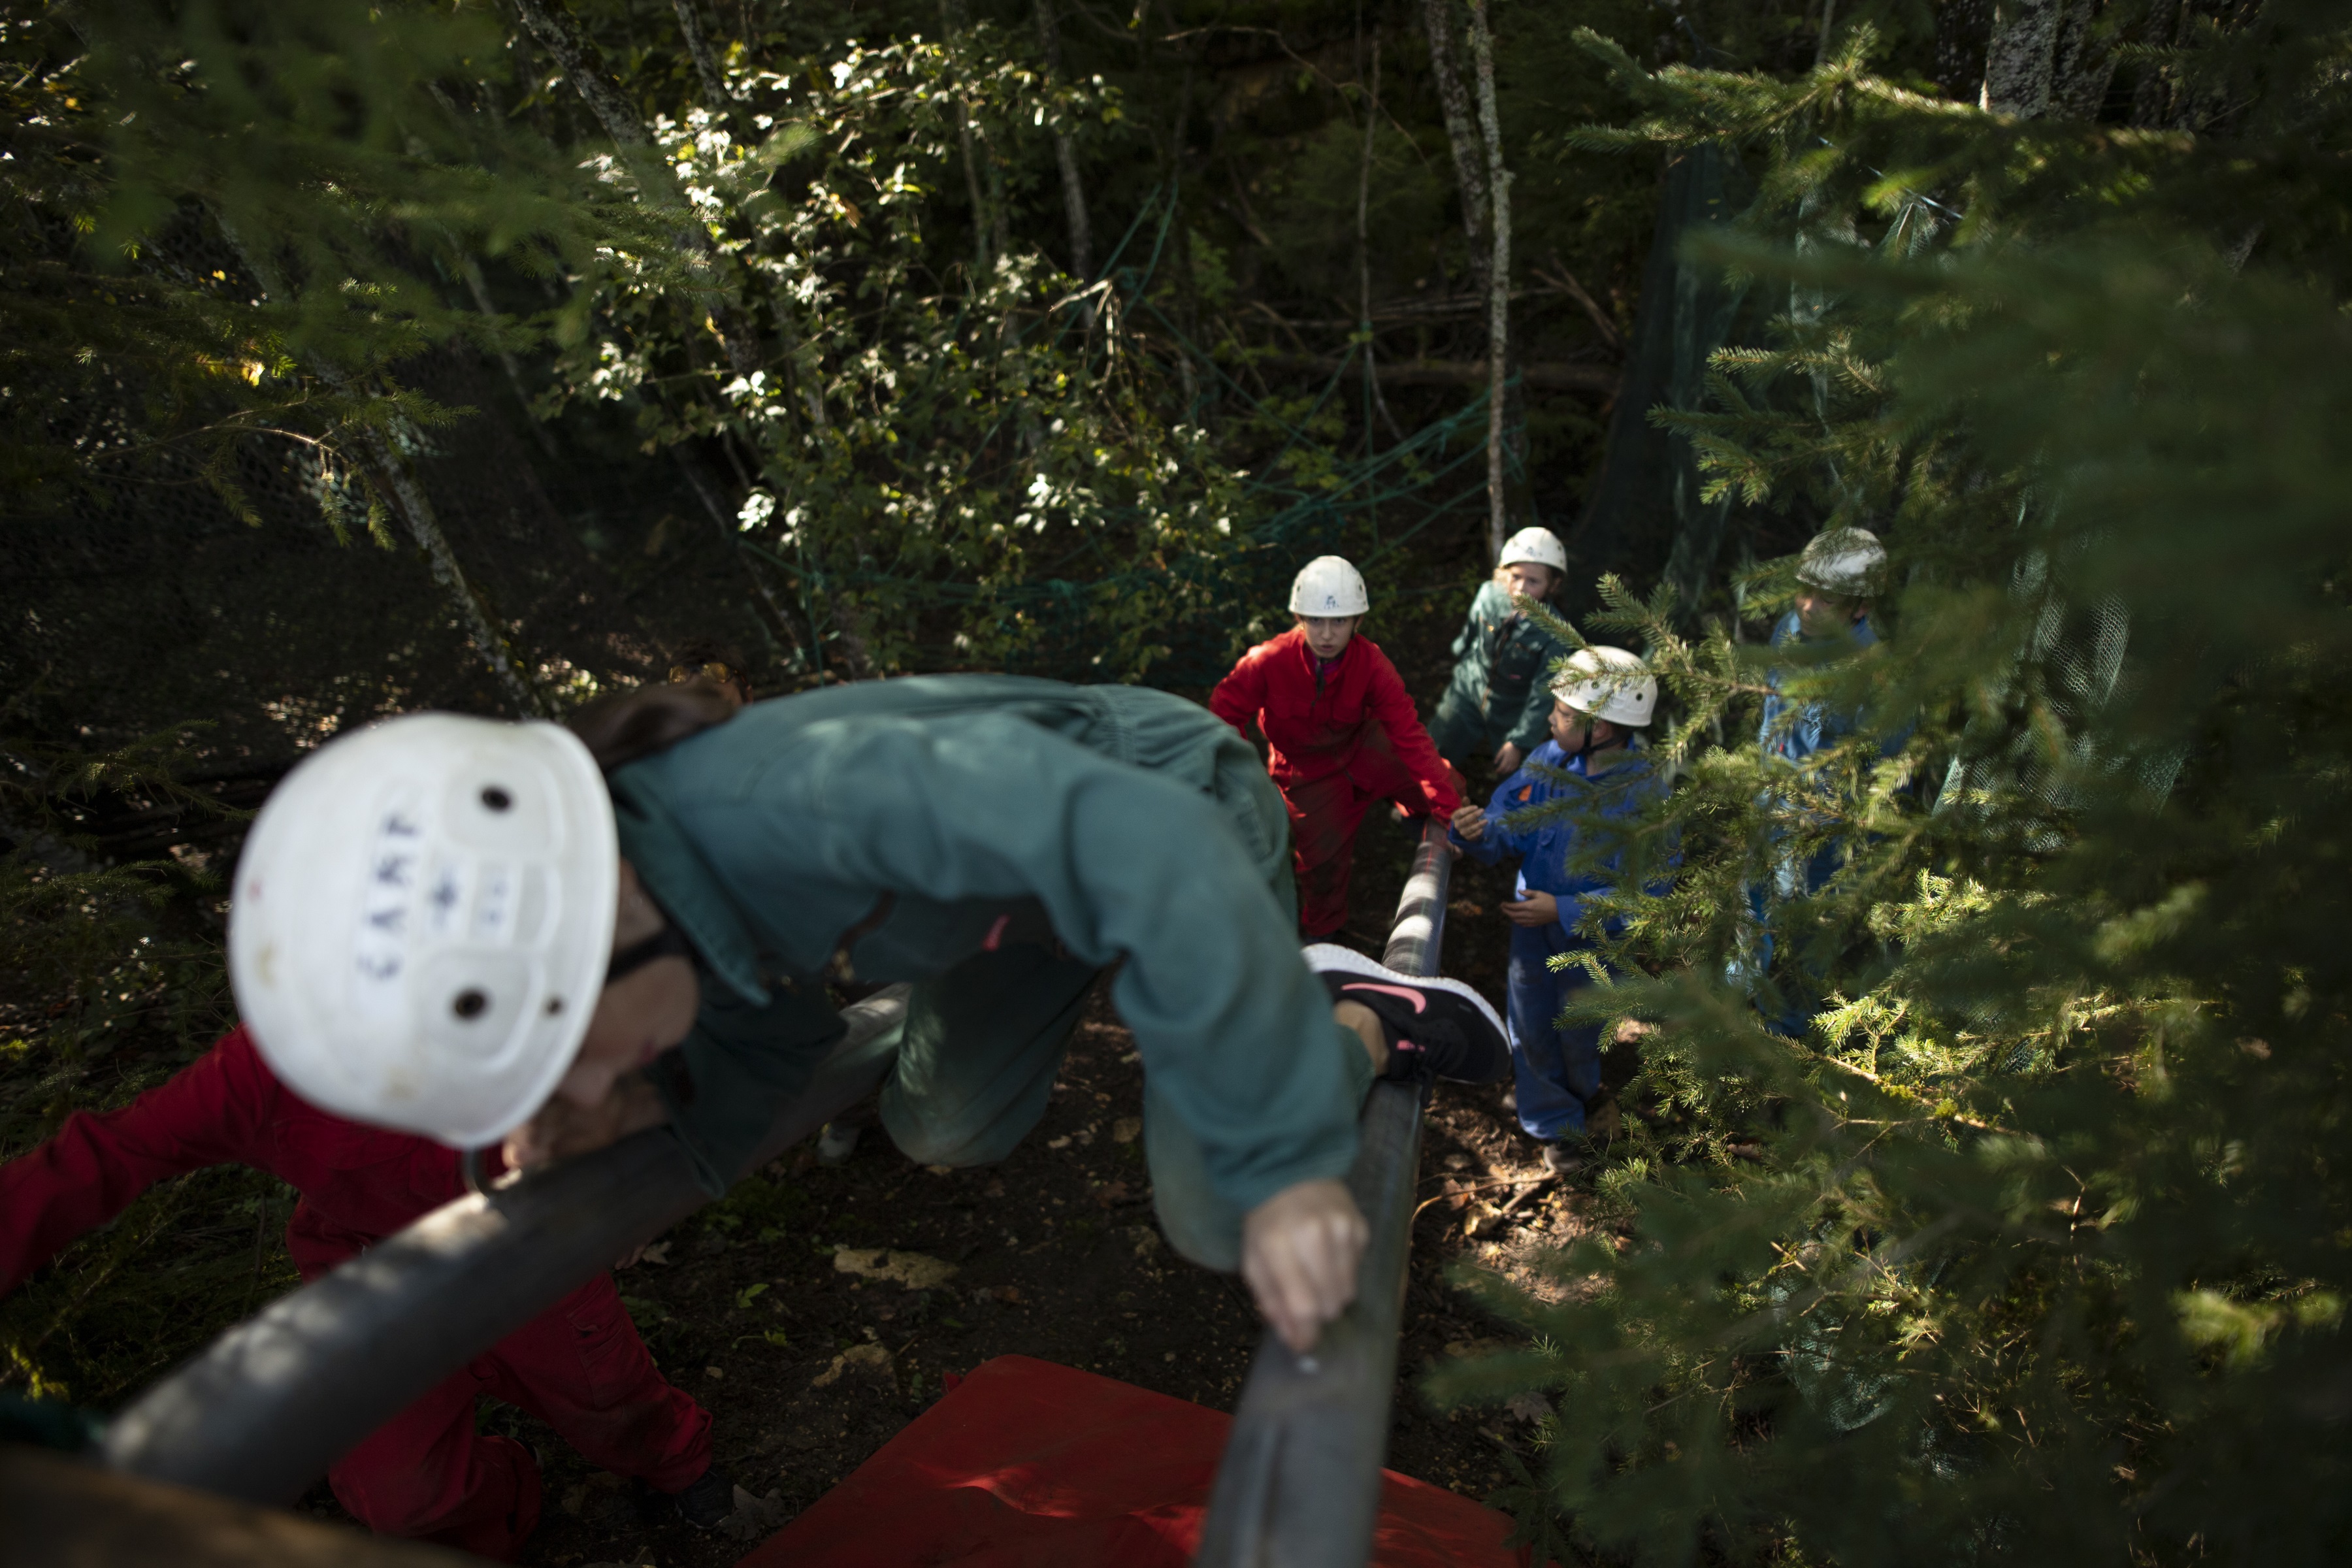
[1589,747]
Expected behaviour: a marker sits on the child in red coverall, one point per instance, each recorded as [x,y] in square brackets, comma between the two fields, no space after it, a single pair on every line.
[1340,734]
[426,1473]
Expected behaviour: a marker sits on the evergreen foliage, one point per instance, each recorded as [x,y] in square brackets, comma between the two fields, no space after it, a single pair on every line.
[1999,1215]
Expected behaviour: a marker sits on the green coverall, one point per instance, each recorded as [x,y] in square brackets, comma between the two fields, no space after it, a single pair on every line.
[1499,691]
[999,841]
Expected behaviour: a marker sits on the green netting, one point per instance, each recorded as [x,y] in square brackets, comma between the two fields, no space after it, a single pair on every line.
[150,601]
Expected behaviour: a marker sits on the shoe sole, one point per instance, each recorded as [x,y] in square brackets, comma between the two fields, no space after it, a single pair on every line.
[1324,956]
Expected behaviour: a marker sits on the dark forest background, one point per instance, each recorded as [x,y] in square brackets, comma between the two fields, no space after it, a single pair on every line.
[362,358]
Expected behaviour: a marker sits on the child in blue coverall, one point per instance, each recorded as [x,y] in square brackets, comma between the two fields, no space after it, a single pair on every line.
[1836,577]
[1602,700]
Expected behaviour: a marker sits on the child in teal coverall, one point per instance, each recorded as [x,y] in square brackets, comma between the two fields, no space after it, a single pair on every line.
[1000,842]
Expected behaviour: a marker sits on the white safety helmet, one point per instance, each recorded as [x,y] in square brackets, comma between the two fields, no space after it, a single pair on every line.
[1328,586]
[1845,561]
[420,920]
[1608,683]
[1539,545]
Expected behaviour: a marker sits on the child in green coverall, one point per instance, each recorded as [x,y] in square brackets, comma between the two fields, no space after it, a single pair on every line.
[1497,705]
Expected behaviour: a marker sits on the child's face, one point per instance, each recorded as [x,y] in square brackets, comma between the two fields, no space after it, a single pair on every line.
[1571,728]
[637,1016]
[1820,614]
[1527,580]
[1568,726]
[1328,636]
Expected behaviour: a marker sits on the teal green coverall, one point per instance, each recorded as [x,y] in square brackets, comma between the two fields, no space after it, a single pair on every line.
[1500,690]
[999,841]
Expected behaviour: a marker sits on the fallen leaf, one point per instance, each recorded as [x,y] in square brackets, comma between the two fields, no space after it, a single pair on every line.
[1529,1406]
[872,1357]
[1061,1143]
[1472,1347]
[915,1270]
[940,1169]
[755,1517]
[1127,1130]
[712,1371]
[657,1253]
[1146,1239]
[1113,1193]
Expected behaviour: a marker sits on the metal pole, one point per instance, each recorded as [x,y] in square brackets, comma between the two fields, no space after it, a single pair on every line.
[272,1402]
[1300,1485]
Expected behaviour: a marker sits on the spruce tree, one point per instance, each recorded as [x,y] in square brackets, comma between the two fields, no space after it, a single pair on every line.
[2024,1241]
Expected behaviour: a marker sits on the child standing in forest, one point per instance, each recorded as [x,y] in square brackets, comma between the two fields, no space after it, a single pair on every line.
[1836,577]
[426,1474]
[1591,772]
[1340,734]
[1498,706]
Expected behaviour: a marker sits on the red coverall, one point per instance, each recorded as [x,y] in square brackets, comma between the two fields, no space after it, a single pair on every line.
[1340,736]
[426,1473]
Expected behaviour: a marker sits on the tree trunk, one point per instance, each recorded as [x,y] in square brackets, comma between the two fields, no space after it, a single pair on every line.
[698,476]
[1963,28]
[706,65]
[389,475]
[2019,57]
[2152,99]
[398,485]
[1066,154]
[2082,63]
[1364,253]
[477,285]
[1469,162]
[560,34]
[1499,293]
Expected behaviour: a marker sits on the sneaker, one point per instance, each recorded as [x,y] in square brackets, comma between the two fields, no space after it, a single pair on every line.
[707,1502]
[1565,1156]
[835,1143]
[1435,1028]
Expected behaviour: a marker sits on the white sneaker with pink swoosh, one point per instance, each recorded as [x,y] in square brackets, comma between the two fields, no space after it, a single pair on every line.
[1435,1027]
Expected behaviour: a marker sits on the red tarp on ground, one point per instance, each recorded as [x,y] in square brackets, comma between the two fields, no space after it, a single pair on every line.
[1028,1463]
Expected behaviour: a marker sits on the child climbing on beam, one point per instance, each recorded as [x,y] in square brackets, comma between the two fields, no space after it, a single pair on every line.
[1340,734]
[1593,772]
[485,932]
[426,1474]
[1498,704]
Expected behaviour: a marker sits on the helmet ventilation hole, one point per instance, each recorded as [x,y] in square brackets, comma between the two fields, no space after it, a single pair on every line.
[554,1005]
[496,798]
[470,1004]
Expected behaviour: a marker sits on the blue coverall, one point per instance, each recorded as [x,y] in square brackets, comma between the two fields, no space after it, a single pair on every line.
[1558,1068]
[1792,732]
